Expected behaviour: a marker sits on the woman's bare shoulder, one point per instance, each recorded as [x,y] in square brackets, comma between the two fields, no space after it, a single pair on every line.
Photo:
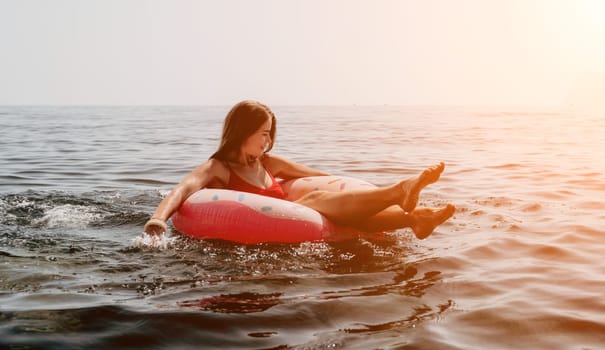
[216,164]
[274,162]
[213,169]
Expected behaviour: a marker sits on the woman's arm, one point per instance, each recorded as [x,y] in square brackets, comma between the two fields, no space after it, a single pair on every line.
[287,169]
[197,179]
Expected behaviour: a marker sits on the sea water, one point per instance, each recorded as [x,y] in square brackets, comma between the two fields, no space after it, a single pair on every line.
[520,265]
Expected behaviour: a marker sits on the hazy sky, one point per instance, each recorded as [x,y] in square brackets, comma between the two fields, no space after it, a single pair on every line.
[282,52]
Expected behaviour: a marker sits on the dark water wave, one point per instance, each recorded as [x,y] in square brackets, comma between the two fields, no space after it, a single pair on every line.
[310,309]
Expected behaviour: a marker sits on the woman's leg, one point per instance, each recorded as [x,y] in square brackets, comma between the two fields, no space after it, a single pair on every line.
[421,220]
[350,207]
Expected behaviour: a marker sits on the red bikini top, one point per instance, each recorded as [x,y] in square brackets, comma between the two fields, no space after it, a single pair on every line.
[236,183]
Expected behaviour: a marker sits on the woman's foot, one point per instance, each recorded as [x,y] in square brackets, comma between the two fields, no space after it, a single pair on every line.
[426,219]
[412,187]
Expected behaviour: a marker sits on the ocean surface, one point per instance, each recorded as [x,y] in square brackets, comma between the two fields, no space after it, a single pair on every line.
[521,265]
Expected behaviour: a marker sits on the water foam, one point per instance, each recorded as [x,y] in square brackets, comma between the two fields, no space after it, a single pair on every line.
[69,216]
[161,242]
[4,209]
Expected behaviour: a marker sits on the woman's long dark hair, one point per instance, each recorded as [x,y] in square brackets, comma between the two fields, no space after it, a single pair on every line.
[243,120]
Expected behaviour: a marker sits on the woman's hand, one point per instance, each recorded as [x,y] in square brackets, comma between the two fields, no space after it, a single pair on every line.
[155,227]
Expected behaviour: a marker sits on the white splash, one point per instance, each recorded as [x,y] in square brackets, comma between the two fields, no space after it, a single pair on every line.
[69,215]
[162,241]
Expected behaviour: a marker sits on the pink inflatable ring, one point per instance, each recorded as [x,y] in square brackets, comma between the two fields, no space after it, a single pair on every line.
[250,218]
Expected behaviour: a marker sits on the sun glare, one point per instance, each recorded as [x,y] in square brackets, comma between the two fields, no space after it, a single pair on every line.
[580,27]
[592,15]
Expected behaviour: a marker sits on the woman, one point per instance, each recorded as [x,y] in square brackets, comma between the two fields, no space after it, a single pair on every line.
[243,163]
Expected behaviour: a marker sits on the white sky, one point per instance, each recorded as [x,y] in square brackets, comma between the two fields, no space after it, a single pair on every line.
[285,52]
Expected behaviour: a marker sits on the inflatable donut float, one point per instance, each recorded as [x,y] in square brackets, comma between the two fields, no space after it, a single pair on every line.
[251,218]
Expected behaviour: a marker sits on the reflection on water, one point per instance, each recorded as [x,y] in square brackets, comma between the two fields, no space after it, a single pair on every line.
[235,303]
[519,266]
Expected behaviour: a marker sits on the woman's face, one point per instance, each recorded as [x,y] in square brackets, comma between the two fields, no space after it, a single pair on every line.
[257,143]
